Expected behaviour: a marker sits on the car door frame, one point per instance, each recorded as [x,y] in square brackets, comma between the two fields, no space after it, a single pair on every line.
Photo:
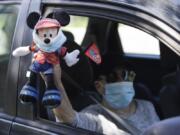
[27,121]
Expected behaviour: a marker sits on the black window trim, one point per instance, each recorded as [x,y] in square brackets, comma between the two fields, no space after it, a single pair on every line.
[144,56]
[48,127]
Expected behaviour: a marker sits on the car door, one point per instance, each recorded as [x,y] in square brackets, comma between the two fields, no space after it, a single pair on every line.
[28,120]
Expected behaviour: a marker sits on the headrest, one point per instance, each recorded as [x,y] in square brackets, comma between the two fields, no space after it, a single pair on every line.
[172,78]
[169,78]
[169,59]
[81,72]
[69,35]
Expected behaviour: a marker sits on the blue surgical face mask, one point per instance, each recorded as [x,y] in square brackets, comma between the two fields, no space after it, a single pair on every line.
[53,46]
[119,95]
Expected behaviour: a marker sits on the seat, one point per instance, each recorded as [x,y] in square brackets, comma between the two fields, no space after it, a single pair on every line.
[77,78]
[144,93]
[170,95]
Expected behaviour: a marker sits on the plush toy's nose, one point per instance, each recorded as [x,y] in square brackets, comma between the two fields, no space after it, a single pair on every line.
[47,40]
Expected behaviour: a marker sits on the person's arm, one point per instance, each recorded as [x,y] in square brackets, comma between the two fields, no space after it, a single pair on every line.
[89,121]
[64,112]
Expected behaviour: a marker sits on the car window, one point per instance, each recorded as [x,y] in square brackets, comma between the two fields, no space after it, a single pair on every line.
[137,42]
[77,27]
[8,16]
[134,41]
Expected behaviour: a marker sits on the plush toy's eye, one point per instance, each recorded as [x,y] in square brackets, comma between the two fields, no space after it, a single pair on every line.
[50,35]
[45,35]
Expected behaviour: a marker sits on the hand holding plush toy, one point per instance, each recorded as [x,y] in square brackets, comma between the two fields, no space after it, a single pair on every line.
[48,46]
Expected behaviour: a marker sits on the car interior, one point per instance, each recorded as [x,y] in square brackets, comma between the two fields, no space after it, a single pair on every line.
[156,78]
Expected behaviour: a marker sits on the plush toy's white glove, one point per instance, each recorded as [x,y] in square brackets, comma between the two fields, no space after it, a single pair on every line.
[71,58]
[21,51]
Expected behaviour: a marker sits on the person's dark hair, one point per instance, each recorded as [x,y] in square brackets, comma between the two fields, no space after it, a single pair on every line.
[117,74]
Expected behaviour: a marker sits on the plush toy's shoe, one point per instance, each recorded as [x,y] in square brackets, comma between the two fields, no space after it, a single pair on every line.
[51,98]
[28,94]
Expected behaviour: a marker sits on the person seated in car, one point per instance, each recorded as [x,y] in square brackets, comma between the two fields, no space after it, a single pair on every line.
[117,96]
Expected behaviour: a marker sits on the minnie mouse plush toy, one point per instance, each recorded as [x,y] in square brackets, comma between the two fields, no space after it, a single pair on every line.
[48,45]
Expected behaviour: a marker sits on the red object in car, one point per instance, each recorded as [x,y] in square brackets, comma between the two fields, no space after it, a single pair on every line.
[93,53]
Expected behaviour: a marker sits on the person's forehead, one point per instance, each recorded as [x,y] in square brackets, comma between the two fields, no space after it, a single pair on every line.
[118,70]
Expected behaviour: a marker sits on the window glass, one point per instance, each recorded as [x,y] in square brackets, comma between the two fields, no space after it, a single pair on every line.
[77,27]
[8,16]
[135,41]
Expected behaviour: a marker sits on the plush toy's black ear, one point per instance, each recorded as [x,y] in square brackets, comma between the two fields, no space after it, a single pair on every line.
[32,19]
[60,15]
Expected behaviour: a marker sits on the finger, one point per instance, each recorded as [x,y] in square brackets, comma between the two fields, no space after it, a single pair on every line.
[76,53]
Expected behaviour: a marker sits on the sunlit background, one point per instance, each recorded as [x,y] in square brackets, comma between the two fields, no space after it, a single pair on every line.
[134,41]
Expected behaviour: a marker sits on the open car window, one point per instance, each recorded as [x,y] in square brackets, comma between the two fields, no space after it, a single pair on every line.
[119,41]
[136,42]
[125,33]
[77,27]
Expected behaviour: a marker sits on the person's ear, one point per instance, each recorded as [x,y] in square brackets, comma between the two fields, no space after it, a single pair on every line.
[100,87]
[101,90]
[61,16]
[32,19]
